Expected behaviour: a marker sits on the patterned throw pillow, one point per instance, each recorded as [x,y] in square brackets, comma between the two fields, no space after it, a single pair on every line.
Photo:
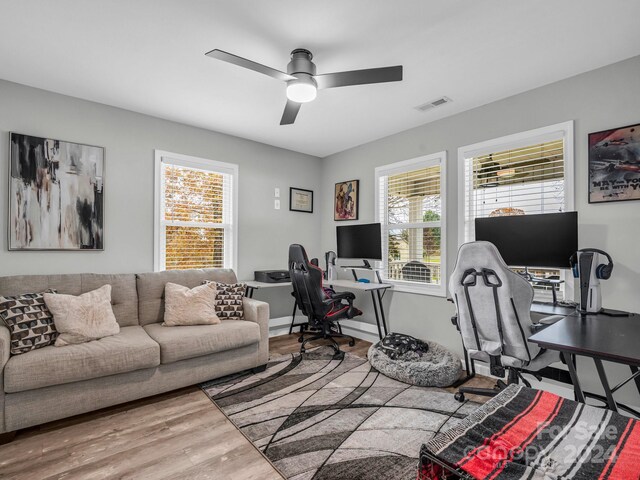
[29,321]
[229,300]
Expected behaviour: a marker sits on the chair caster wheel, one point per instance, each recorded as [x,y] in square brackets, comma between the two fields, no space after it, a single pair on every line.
[459,396]
[352,343]
[299,339]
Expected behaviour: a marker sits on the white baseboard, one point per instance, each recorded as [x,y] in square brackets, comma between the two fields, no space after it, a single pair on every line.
[362,330]
[355,328]
[279,326]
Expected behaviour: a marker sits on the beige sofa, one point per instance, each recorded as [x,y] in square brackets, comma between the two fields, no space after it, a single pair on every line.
[144,359]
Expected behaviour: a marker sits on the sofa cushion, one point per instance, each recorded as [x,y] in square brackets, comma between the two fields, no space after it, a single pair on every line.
[180,343]
[124,296]
[131,349]
[151,288]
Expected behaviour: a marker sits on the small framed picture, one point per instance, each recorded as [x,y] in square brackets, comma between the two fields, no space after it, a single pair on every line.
[614,165]
[300,200]
[345,200]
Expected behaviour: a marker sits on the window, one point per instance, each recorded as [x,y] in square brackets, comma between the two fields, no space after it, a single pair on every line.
[524,174]
[410,205]
[195,210]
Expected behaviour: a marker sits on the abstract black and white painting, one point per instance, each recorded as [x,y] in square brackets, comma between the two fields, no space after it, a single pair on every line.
[56,194]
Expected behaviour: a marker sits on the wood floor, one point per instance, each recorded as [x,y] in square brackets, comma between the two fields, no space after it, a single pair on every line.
[178,435]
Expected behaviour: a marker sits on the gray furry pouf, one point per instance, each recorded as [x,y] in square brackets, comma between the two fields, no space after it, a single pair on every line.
[438,367]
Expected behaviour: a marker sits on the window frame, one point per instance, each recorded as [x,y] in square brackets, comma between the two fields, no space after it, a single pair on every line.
[188,161]
[425,161]
[563,130]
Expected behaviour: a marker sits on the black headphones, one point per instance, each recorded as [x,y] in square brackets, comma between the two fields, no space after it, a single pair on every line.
[603,271]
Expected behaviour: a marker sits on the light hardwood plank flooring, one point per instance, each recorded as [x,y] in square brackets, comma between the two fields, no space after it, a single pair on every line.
[177,435]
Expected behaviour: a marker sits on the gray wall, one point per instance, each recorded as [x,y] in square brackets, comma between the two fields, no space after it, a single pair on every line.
[130,139]
[597,100]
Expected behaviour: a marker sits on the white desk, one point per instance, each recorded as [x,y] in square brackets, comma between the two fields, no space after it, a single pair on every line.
[376,290]
[253,285]
[353,285]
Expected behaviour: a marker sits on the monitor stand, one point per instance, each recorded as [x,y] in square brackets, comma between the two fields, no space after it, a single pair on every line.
[553,283]
[366,266]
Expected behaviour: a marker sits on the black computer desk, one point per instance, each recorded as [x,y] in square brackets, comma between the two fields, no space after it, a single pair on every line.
[542,308]
[548,308]
[601,337]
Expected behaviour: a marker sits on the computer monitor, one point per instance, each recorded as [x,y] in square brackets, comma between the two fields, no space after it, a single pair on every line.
[359,241]
[545,240]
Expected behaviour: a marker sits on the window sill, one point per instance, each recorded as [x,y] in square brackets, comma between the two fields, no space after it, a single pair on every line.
[433,291]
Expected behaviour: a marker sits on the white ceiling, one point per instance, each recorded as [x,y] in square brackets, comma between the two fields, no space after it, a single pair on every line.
[148,56]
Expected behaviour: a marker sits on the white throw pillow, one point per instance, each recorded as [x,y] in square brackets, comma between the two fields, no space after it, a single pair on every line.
[82,318]
[195,306]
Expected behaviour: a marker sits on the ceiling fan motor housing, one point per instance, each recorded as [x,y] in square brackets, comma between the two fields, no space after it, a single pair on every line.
[301,62]
[303,88]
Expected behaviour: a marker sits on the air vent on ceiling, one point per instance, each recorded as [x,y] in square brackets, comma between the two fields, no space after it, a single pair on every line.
[433,104]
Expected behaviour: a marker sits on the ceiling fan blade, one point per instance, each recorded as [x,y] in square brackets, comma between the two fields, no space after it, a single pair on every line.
[359,77]
[291,110]
[243,62]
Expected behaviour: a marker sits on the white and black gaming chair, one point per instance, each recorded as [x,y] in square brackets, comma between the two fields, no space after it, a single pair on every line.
[493,306]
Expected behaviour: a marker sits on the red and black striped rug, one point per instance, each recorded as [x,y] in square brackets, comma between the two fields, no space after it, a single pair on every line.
[532,434]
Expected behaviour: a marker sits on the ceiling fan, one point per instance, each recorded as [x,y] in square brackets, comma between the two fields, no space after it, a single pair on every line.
[302,81]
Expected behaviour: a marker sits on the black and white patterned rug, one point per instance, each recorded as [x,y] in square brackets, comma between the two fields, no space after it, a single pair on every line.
[319,417]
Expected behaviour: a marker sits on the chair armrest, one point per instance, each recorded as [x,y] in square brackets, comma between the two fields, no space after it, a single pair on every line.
[5,346]
[340,296]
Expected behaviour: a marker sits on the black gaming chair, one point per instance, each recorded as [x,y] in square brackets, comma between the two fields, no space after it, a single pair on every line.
[322,306]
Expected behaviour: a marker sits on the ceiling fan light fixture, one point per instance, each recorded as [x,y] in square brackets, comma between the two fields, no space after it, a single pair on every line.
[303,89]
[302,81]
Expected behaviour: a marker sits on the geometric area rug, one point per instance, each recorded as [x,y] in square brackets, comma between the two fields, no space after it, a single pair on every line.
[320,417]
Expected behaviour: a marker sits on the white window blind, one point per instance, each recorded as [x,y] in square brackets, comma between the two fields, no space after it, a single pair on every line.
[410,208]
[521,181]
[196,217]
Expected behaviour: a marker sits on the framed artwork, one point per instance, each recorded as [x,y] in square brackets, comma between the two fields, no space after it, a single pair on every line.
[614,165]
[300,200]
[346,200]
[56,194]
